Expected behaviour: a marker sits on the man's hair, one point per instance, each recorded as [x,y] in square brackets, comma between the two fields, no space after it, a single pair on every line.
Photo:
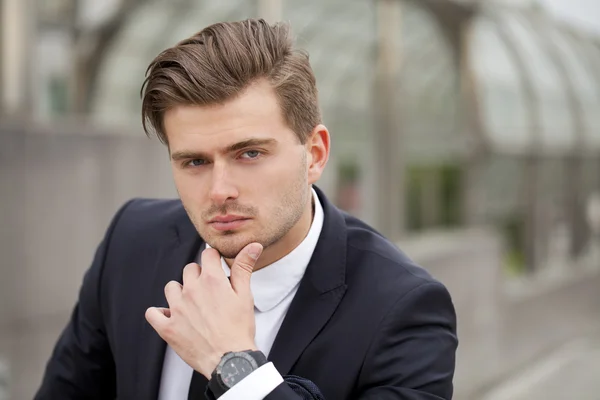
[220,62]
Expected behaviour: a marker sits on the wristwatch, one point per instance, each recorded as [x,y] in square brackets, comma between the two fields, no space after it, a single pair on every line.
[234,367]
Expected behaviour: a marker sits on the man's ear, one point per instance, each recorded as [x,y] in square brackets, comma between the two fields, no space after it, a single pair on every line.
[317,147]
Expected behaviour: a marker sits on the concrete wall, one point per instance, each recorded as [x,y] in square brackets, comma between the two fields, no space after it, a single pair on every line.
[58,192]
[504,324]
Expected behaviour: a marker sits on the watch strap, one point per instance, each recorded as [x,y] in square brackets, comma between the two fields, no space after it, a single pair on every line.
[215,384]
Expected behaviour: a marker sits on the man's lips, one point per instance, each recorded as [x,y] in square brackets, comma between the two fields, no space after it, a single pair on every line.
[228,222]
[227,218]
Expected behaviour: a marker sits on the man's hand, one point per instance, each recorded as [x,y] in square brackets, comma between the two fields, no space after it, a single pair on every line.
[208,316]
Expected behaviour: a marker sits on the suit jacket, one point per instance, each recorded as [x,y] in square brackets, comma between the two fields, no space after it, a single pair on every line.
[366,322]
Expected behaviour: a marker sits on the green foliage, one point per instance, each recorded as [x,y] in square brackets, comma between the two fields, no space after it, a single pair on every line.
[348,172]
[513,231]
[448,178]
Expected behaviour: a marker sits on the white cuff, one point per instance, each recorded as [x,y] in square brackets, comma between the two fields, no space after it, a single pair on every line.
[257,385]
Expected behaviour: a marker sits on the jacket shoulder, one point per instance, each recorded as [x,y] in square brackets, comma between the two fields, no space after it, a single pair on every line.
[142,225]
[149,215]
[375,259]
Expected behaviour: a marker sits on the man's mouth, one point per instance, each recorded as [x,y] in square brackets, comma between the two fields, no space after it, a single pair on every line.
[228,222]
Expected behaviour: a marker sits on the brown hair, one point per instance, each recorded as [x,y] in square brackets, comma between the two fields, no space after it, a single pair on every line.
[219,62]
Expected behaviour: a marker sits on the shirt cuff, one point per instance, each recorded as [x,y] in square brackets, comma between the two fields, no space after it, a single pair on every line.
[257,385]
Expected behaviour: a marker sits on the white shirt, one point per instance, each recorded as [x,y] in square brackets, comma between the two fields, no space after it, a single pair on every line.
[273,288]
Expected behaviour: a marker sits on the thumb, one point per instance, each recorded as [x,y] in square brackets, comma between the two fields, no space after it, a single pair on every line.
[243,265]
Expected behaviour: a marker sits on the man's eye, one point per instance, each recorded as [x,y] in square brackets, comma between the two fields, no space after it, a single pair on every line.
[250,154]
[196,163]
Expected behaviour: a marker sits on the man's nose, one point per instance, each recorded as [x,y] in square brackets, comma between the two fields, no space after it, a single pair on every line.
[222,188]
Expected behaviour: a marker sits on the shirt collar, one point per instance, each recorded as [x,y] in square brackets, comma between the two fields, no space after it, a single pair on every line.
[273,283]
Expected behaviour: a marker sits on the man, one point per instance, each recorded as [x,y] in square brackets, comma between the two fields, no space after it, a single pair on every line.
[318,304]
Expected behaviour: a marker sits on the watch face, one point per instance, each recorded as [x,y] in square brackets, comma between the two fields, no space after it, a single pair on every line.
[234,370]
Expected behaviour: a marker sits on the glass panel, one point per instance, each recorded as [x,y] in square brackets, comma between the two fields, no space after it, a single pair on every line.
[503,181]
[429,89]
[501,96]
[340,37]
[553,230]
[556,121]
[590,57]
[154,27]
[586,85]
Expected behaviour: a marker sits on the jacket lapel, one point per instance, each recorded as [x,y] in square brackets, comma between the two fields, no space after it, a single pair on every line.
[181,247]
[319,294]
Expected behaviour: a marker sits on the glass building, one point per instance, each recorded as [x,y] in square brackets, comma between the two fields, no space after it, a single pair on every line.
[443,114]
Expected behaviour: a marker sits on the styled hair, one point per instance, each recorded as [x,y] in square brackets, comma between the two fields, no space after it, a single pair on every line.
[218,63]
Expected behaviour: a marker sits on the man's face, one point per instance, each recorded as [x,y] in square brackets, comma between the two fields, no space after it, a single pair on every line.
[240,171]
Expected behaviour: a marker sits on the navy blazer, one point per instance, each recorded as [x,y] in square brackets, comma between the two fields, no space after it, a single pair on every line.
[366,322]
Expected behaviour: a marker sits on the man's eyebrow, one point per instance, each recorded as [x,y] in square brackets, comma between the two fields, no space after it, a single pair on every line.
[192,155]
[249,143]
[187,155]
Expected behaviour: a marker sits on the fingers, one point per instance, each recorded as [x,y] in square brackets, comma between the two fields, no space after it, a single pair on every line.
[191,272]
[157,318]
[242,267]
[211,265]
[165,311]
[173,293]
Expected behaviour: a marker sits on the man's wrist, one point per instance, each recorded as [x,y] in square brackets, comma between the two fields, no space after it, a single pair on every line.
[210,364]
[233,368]
[256,386]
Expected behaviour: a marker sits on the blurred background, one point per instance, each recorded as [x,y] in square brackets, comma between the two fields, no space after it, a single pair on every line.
[467,131]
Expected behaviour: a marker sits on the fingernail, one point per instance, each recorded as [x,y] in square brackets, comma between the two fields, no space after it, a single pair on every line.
[254,251]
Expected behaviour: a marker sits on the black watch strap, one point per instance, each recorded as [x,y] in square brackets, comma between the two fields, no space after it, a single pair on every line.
[258,356]
[216,386]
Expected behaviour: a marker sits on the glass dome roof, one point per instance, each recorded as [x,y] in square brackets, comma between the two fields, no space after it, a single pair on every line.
[155,26]
[500,36]
[508,56]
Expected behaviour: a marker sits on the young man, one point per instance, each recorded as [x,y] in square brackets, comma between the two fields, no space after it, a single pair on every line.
[318,304]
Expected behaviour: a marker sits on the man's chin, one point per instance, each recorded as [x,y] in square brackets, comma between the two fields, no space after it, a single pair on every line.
[228,247]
